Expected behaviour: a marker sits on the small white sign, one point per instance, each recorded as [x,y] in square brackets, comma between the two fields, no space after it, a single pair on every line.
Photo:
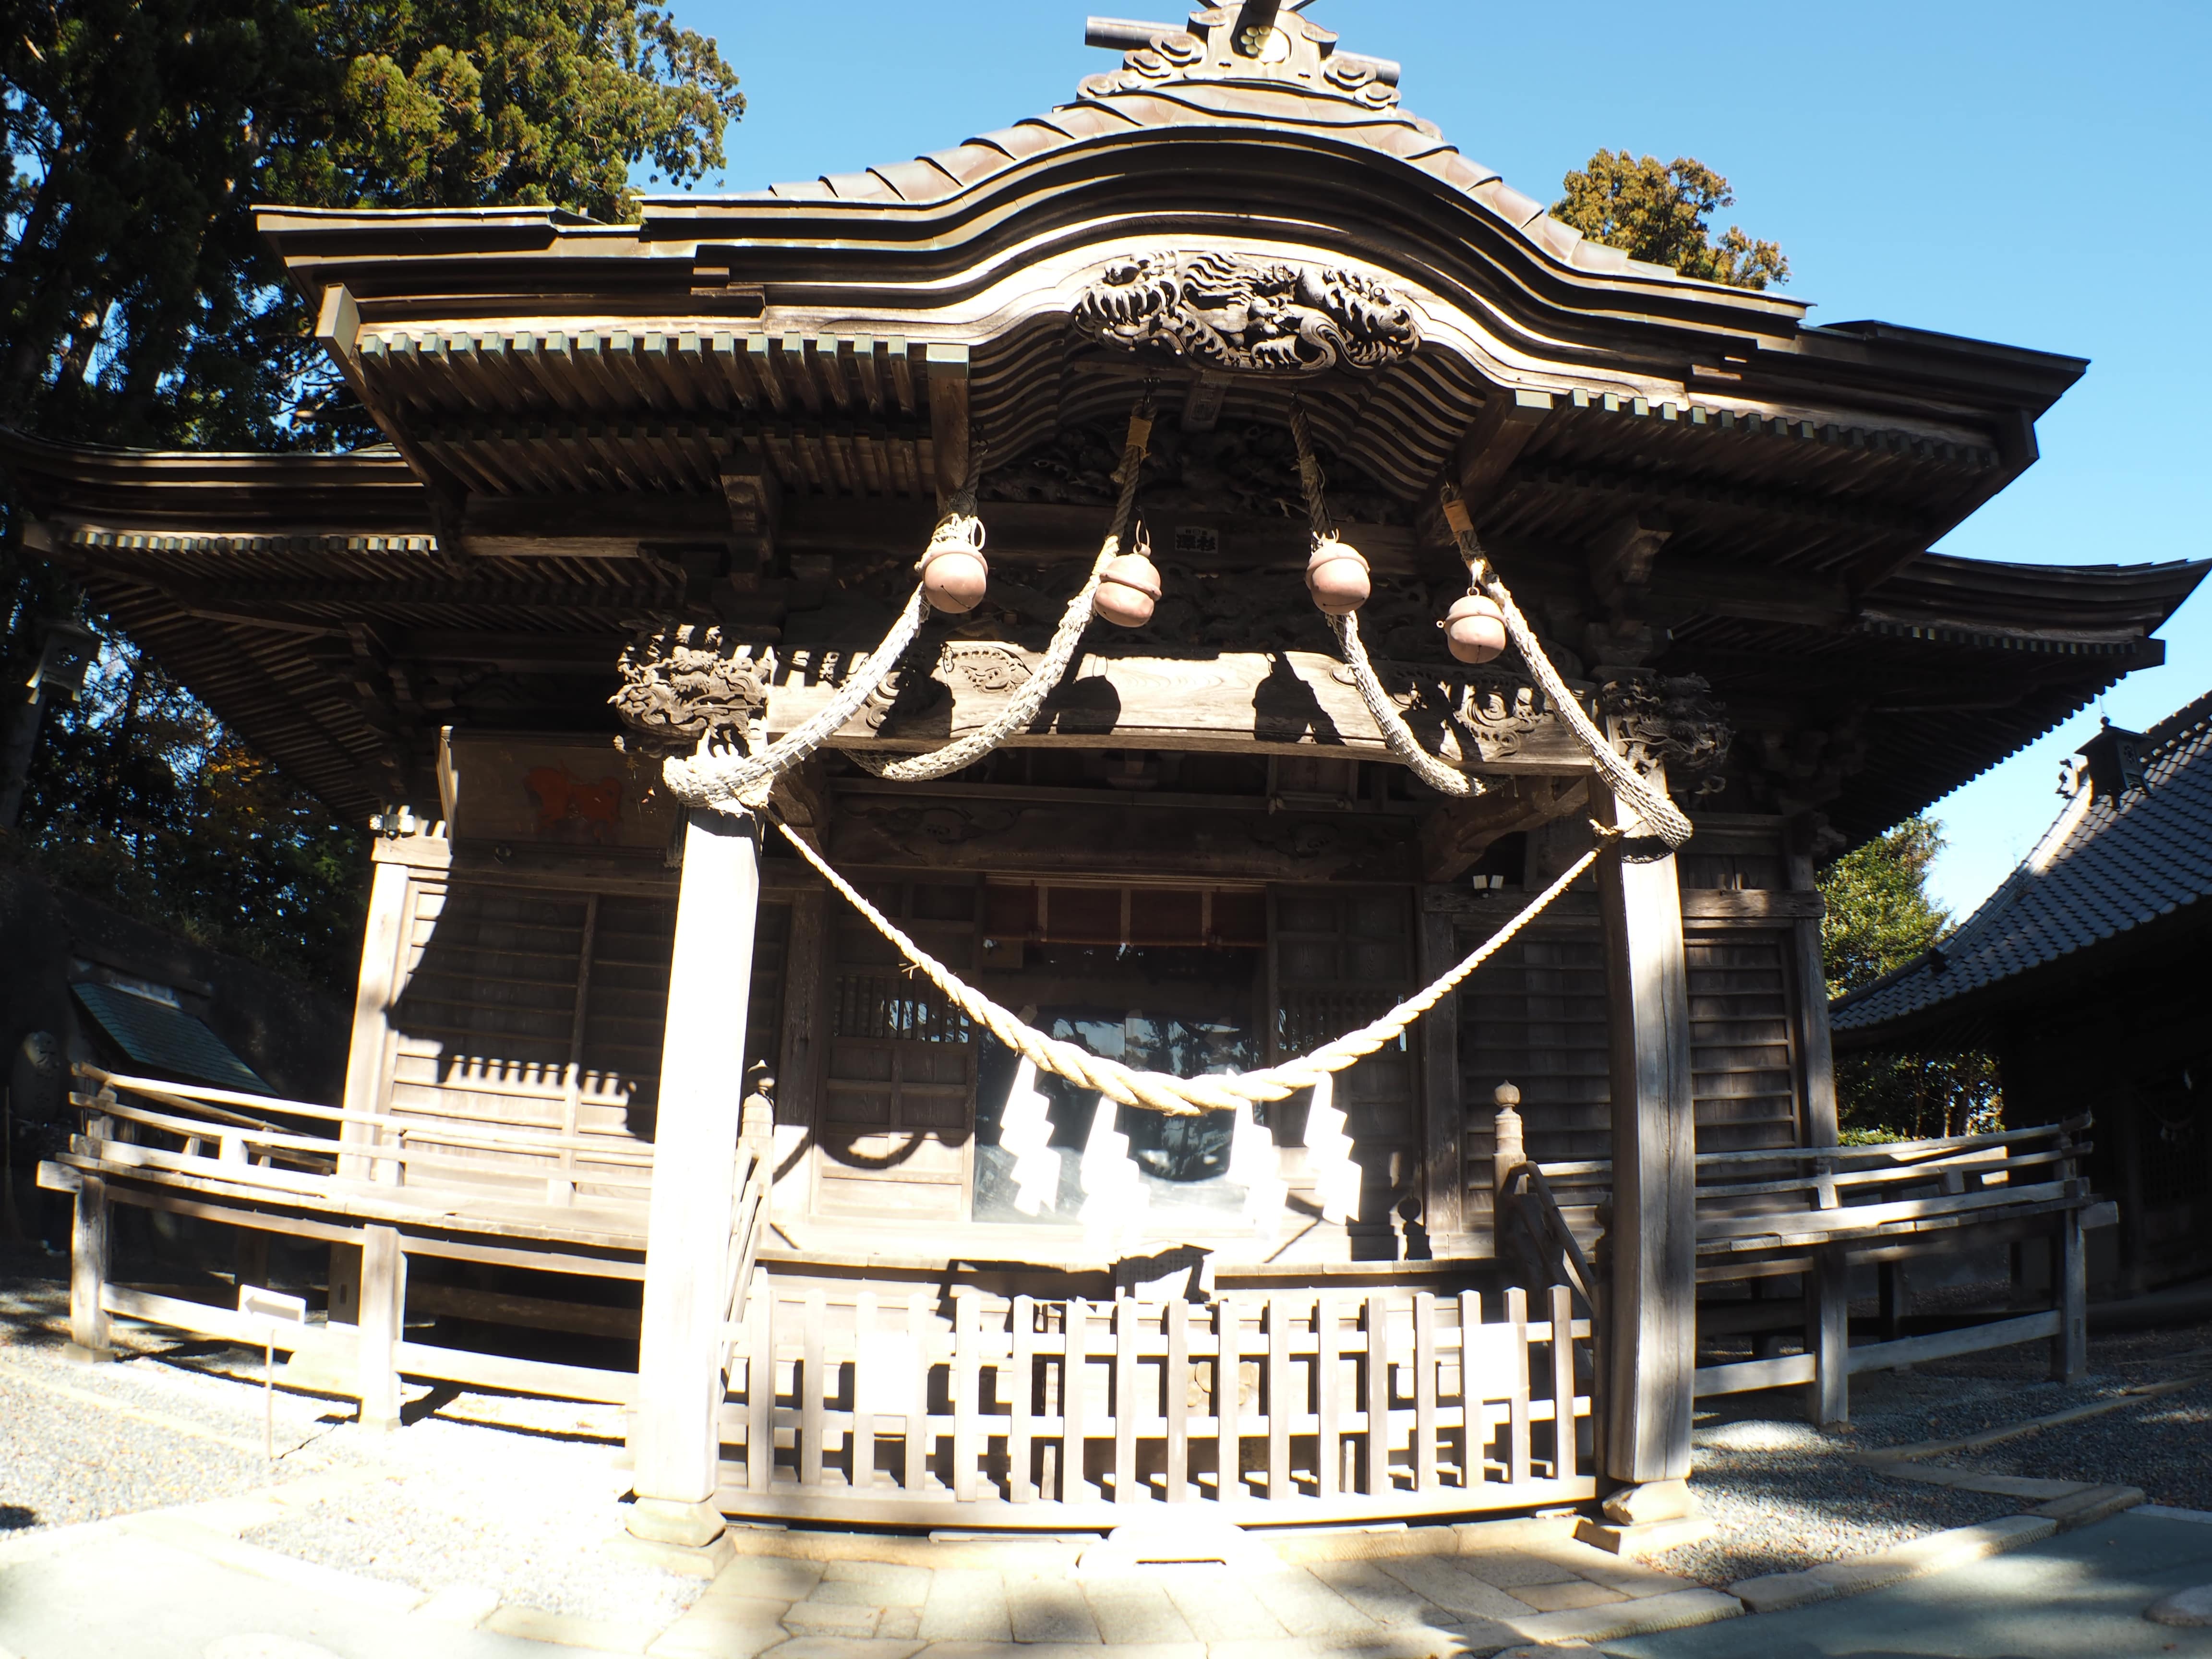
[269,1308]
[257,1302]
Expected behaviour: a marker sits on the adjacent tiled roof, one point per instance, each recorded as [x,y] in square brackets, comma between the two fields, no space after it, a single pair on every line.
[2104,867]
[167,1040]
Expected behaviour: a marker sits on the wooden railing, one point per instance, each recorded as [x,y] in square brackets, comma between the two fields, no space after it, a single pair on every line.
[1815,1211]
[294,1168]
[1291,1404]
[255,1132]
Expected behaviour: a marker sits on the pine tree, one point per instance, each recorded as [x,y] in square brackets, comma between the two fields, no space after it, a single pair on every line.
[1660,214]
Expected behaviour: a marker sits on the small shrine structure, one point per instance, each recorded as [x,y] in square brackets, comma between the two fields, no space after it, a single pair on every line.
[1280,970]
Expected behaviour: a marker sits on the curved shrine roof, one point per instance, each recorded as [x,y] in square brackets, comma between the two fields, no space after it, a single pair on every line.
[2112,864]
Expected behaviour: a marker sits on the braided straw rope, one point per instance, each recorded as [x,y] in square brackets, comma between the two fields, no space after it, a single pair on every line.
[1440,777]
[1660,815]
[1022,708]
[1444,779]
[727,779]
[1182,1096]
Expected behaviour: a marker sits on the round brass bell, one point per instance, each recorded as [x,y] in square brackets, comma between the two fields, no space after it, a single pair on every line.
[1475,628]
[1336,576]
[1128,588]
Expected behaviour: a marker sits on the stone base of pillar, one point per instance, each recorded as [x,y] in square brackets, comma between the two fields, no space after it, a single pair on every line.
[1642,1537]
[693,1560]
[1655,1515]
[77,1355]
[1653,1500]
[666,1521]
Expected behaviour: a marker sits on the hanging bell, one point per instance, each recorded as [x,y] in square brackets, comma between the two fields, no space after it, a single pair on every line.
[953,571]
[1336,576]
[1475,628]
[1128,588]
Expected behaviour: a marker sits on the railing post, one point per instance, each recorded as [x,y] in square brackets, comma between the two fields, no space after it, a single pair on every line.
[383,1309]
[1509,1148]
[88,1333]
[2069,1279]
[677,1441]
[1827,1336]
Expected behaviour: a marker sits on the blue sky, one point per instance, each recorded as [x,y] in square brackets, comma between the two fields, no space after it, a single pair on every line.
[2028,173]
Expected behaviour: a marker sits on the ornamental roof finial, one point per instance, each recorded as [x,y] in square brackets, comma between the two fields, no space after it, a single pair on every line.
[1263,40]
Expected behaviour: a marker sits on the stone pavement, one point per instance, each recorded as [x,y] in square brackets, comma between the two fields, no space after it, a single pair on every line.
[1405,1593]
[2079,1593]
[180,1584]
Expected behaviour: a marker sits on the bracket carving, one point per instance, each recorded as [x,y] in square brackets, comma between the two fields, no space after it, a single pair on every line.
[1223,309]
[1671,721]
[682,684]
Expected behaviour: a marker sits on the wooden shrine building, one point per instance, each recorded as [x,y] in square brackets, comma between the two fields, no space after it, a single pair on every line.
[935,1286]
[2087,974]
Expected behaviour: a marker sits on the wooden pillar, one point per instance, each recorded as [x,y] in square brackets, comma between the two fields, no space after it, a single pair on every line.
[1653,1350]
[677,1441]
[1809,991]
[88,1230]
[382,966]
[1828,1336]
[1443,1116]
[383,1307]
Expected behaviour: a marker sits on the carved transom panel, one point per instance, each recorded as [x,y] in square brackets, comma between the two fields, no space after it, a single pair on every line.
[1224,310]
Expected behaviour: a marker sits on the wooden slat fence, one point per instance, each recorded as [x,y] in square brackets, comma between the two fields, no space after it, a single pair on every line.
[1299,1403]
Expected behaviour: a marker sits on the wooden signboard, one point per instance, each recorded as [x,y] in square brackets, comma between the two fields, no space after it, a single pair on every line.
[522,789]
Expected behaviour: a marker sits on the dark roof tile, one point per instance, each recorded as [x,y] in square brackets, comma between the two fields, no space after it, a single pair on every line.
[2104,867]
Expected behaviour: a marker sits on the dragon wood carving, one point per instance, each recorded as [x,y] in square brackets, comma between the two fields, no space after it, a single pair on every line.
[683,684]
[1669,720]
[1223,311]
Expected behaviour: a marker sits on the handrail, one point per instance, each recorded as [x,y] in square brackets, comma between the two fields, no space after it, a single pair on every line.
[748,1220]
[1525,1180]
[494,1136]
[1878,1152]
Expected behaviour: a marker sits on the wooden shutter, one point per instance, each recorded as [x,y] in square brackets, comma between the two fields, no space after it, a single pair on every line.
[544,1008]
[1342,956]
[1534,1015]
[1742,1056]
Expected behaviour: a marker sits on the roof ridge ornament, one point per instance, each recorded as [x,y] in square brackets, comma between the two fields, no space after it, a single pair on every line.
[1228,311]
[1260,40]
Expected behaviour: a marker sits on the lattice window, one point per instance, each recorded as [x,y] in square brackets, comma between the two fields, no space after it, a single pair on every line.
[902,1063]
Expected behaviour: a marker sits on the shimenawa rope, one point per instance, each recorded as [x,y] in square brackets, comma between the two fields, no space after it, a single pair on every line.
[1182,1097]
[1445,779]
[1664,818]
[1022,708]
[739,779]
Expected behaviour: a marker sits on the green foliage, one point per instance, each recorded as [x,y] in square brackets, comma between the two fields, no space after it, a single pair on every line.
[139,799]
[1660,213]
[1878,918]
[1879,915]
[138,306]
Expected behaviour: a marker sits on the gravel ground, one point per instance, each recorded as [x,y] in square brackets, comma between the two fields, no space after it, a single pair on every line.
[150,1431]
[516,1496]
[1785,1497]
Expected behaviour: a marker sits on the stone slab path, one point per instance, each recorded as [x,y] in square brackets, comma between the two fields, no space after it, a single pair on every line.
[182,1583]
[1477,1589]
[2079,1593]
